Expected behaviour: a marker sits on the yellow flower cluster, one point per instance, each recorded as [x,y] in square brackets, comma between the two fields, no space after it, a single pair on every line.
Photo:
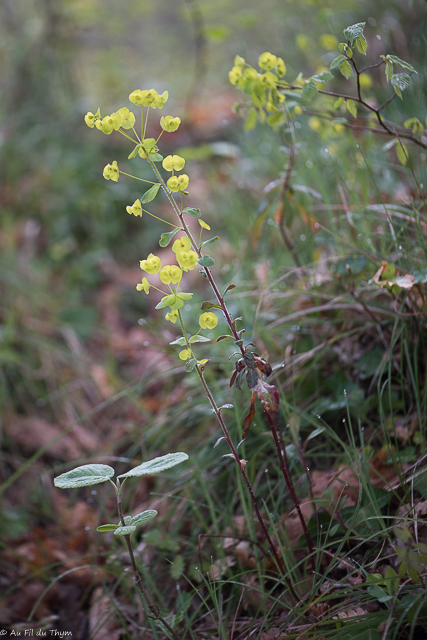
[121,118]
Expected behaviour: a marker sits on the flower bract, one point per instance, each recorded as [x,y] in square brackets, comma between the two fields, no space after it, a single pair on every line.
[204,225]
[135,209]
[151,265]
[143,286]
[267,61]
[111,171]
[169,123]
[178,183]
[170,273]
[127,118]
[172,316]
[185,354]
[208,320]
[182,244]
[187,260]
[173,163]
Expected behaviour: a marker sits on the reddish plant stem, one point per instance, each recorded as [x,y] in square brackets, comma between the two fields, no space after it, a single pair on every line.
[283,461]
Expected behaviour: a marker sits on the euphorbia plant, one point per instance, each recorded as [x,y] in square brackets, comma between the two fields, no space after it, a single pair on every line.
[189,254]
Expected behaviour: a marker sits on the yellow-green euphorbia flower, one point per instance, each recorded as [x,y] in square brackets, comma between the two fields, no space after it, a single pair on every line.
[173,163]
[185,354]
[280,67]
[111,171]
[235,75]
[187,260]
[135,209]
[90,118]
[239,61]
[148,98]
[172,316]
[267,61]
[144,286]
[151,265]
[106,125]
[268,79]
[178,183]
[169,123]
[170,273]
[208,320]
[127,118]
[182,244]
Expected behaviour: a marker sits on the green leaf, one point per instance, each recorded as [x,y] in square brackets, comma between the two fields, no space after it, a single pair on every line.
[354,32]
[205,306]
[325,76]
[181,342]
[177,568]
[206,261]
[275,118]
[150,194]
[251,120]
[361,44]
[388,69]
[226,406]
[400,82]
[346,69]
[351,107]
[149,143]
[134,152]
[189,366]
[344,48]
[155,157]
[165,238]
[198,338]
[166,301]
[379,594]
[402,153]
[194,213]
[107,527]
[336,62]
[184,296]
[309,90]
[415,125]
[315,433]
[124,531]
[225,339]
[84,476]
[338,103]
[402,64]
[209,241]
[143,517]
[156,465]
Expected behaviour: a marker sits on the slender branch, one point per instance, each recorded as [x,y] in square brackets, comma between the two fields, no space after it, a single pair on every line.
[138,578]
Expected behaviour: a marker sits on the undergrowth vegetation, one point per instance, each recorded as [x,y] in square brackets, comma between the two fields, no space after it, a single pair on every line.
[316,526]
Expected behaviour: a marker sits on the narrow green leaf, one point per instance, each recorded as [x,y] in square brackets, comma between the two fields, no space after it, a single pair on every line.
[225,339]
[134,152]
[402,154]
[124,531]
[179,341]
[206,261]
[205,306]
[190,365]
[351,107]
[361,44]
[218,441]
[107,527]
[226,406]
[346,69]
[84,476]
[209,241]
[166,301]
[165,238]
[388,70]
[143,517]
[238,342]
[156,465]
[336,62]
[150,194]
[194,213]
[198,338]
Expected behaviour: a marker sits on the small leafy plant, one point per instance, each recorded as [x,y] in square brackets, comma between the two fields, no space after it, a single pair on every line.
[91,474]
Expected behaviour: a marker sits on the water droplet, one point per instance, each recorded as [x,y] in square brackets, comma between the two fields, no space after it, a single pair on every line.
[345,392]
[87,528]
[308,468]
[266,471]
[94,492]
[146,343]
[343,419]
[189,399]
[346,484]
[178,587]
[378,37]
[400,248]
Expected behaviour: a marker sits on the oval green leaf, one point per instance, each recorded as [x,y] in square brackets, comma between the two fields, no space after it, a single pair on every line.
[156,465]
[205,306]
[84,476]
[199,338]
[206,261]
[107,527]
[179,341]
[143,517]
[150,194]
[124,531]
[189,366]
[165,238]
[194,213]
[225,339]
